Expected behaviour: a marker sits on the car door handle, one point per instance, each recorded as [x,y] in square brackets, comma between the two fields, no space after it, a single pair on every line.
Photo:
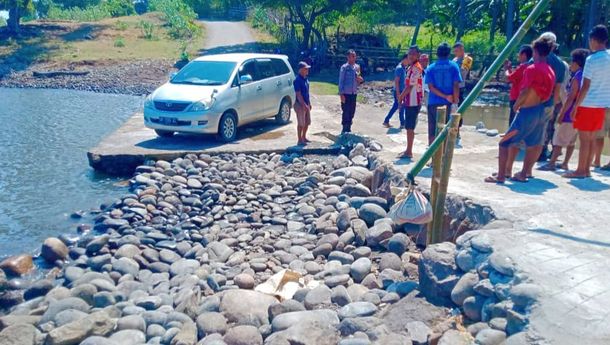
[279,83]
[259,88]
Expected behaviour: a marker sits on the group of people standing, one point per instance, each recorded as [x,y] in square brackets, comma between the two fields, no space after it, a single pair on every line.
[556,103]
[551,102]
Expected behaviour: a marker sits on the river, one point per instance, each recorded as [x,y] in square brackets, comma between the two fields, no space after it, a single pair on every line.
[44,173]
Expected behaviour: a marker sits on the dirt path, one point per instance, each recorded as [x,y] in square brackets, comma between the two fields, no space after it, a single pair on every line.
[227,35]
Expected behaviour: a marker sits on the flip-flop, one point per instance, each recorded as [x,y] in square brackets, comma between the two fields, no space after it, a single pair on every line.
[548,167]
[518,177]
[496,175]
[573,175]
[493,179]
[404,155]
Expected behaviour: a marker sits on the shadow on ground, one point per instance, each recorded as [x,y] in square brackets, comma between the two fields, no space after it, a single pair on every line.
[571,237]
[260,130]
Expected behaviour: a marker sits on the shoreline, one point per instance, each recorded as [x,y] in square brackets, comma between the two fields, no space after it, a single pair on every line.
[127,77]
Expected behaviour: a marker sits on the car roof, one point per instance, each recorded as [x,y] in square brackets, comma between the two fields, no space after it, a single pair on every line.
[239,57]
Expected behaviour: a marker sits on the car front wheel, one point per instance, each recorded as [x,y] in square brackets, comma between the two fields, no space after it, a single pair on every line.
[283,116]
[164,133]
[227,129]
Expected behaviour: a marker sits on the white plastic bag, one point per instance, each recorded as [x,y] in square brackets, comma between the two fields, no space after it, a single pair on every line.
[411,207]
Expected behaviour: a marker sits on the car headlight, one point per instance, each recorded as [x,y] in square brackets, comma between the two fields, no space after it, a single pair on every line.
[202,105]
[149,103]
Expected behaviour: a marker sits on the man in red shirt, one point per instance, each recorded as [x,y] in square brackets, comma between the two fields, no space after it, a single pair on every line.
[528,126]
[514,76]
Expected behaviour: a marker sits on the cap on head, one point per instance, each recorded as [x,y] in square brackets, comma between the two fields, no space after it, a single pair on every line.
[304,64]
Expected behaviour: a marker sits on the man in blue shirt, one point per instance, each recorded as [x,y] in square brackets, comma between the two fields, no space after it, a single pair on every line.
[350,77]
[302,104]
[400,74]
[443,78]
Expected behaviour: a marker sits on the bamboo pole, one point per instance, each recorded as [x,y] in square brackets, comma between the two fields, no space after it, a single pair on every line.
[474,93]
[438,210]
[436,167]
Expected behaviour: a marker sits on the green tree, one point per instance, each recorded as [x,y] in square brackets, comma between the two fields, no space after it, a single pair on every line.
[306,12]
[16,9]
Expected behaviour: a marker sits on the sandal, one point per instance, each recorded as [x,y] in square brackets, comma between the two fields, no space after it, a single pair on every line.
[605,167]
[518,177]
[496,175]
[493,179]
[548,167]
[574,175]
[405,155]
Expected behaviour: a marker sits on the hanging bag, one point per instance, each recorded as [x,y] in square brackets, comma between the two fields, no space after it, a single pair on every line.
[411,207]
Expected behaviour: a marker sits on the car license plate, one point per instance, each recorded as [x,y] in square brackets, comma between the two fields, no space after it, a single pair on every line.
[168,121]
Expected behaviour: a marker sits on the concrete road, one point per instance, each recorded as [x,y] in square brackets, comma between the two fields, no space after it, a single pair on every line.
[227,35]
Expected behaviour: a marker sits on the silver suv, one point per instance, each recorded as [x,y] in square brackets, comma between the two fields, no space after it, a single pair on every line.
[215,94]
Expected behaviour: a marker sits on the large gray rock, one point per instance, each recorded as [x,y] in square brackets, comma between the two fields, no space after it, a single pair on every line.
[357,309]
[354,190]
[320,316]
[464,288]
[219,251]
[53,249]
[21,334]
[129,337]
[64,304]
[370,213]
[211,322]
[419,332]
[246,307]
[97,340]
[360,174]
[360,269]
[187,334]
[243,335]
[438,272]
[98,323]
[305,334]
[455,337]
[399,243]
[377,235]
[525,294]
[319,295]
[409,309]
[490,337]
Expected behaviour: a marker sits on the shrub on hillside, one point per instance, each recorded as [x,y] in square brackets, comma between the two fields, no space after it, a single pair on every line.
[119,42]
[148,29]
[179,16]
[119,8]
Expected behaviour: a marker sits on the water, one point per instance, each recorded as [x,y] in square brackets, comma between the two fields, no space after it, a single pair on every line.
[44,173]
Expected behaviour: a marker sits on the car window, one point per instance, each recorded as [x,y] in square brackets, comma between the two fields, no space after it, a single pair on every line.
[205,73]
[265,68]
[280,67]
[249,68]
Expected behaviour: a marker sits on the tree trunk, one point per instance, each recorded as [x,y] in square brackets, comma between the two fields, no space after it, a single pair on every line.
[307,28]
[494,20]
[461,20]
[590,21]
[510,18]
[418,23]
[14,14]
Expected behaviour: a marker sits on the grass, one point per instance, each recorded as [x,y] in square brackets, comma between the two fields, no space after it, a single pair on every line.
[94,41]
[323,88]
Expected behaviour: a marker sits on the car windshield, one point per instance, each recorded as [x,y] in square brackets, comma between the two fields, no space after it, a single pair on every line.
[204,73]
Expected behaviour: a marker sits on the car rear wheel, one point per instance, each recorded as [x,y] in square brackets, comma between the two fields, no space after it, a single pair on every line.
[164,133]
[283,116]
[227,129]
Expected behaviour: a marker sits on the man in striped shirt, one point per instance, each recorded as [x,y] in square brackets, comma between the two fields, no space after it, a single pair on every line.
[593,100]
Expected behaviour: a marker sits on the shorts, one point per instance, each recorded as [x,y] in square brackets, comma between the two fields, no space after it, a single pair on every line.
[589,119]
[565,135]
[529,126]
[605,131]
[303,115]
[411,114]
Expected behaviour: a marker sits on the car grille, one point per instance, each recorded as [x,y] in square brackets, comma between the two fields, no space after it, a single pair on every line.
[171,106]
[177,123]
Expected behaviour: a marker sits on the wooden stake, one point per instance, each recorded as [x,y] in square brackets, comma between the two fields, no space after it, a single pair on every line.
[438,209]
[436,168]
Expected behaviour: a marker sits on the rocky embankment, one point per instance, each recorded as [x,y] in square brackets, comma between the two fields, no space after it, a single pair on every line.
[181,259]
[134,77]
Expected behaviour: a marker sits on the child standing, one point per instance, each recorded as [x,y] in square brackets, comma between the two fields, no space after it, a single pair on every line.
[565,134]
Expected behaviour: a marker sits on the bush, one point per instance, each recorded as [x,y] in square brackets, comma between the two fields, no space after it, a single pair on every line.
[2,22]
[148,29]
[121,25]
[180,18]
[119,8]
[119,42]
[88,14]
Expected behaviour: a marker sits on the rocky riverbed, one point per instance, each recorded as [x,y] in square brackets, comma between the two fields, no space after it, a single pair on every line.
[180,260]
[132,77]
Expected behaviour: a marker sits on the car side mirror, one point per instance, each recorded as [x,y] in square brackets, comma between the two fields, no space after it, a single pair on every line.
[245,79]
